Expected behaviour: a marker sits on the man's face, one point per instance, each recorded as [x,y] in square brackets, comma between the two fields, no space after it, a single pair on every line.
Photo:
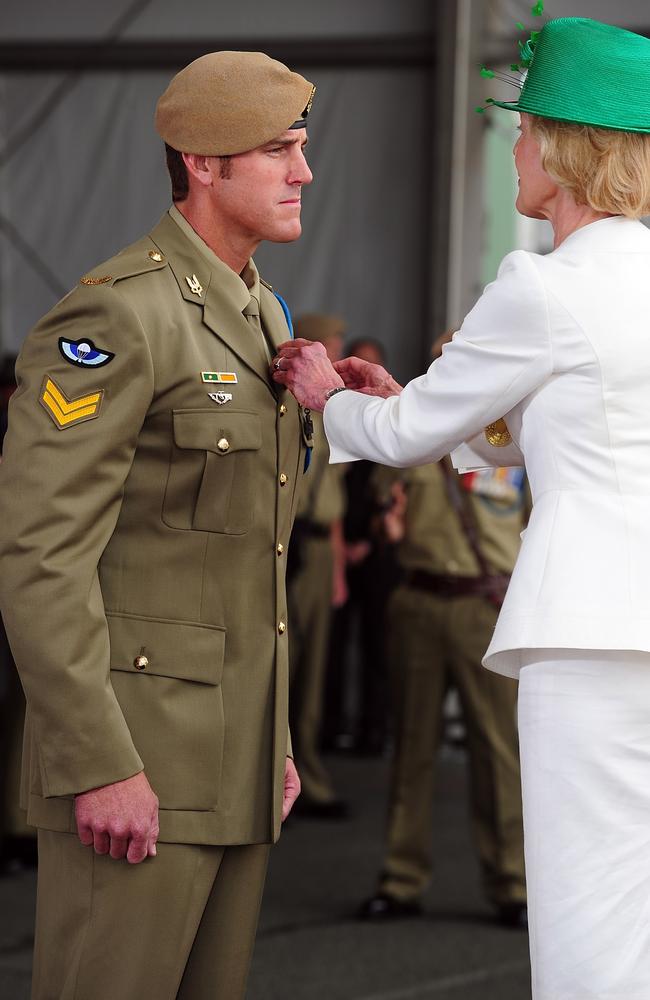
[260,198]
[368,351]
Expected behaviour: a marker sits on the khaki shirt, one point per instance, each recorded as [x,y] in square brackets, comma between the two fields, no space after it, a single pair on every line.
[435,540]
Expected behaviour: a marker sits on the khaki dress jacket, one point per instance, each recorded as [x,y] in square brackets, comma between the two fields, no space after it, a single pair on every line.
[143,533]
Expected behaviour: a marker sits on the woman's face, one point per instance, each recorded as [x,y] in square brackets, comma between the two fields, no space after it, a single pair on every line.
[536,189]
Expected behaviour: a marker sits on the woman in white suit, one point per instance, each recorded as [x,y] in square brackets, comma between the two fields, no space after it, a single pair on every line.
[561,345]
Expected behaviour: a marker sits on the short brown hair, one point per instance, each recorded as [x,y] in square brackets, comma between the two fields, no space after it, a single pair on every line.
[607,169]
[178,172]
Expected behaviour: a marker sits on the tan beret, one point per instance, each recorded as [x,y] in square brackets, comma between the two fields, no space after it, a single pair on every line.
[319,326]
[229,102]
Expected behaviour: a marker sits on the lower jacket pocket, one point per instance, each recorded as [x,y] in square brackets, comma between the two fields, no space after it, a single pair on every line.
[167,678]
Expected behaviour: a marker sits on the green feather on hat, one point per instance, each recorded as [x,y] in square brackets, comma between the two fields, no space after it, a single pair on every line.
[585,72]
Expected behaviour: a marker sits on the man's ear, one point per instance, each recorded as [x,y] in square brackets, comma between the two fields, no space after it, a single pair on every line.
[199,167]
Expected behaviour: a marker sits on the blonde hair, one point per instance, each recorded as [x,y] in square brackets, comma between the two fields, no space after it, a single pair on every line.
[604,168]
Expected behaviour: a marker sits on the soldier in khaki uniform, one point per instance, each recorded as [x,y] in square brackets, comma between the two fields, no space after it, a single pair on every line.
[317,584]
[459,541]
[150,479]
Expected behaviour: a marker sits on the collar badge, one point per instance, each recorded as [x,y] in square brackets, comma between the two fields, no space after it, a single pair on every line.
[194,285]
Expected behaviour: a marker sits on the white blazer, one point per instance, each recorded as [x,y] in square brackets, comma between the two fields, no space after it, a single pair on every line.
[560,346]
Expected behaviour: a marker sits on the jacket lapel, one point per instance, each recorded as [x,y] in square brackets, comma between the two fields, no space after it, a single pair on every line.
[199,284]
[277,331]
[234,330]
[273,319]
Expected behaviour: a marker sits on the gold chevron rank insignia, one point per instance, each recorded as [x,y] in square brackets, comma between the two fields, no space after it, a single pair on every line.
[66,412]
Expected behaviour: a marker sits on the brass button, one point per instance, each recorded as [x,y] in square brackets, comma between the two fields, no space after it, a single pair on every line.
[283,409]
[158,257]
[280,548]
[223,444]
[141,663]
[282,628]
[284,479]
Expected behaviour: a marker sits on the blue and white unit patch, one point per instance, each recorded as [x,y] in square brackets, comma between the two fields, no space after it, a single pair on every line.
[83,353]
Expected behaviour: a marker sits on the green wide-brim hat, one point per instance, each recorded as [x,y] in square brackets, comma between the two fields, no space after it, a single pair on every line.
[589,73]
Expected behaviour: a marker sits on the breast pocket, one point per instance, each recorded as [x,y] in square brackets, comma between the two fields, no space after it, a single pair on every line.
[167,678]
[210,485]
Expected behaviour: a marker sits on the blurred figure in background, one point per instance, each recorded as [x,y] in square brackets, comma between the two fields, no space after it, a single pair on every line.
[17,840]
[356,713]
[316,584]
[458,541]
[7,387]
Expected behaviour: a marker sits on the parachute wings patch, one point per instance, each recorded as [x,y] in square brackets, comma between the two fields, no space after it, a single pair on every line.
[84,353]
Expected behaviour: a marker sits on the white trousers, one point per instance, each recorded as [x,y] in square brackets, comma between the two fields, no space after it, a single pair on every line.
[584,724]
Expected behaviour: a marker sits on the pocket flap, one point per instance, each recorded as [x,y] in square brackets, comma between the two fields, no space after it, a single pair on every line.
[222,433]
[186,650]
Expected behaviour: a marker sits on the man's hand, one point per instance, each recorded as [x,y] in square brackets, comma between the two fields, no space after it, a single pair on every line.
[119,819]
[363,376]
[304,368]
[291,788]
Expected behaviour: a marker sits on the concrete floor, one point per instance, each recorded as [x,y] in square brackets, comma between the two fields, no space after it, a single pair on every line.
[310,946]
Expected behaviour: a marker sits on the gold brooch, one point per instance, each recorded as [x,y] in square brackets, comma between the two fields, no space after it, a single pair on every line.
[497,434]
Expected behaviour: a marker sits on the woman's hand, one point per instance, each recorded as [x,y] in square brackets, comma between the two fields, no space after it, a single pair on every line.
[304,368]
[363,376]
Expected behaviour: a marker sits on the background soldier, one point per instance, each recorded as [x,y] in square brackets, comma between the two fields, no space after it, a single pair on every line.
[148,488]
[459,539]
[17,841]
[356,709]
[317,583]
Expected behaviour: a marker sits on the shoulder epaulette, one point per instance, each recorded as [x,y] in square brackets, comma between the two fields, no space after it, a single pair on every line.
[136,259]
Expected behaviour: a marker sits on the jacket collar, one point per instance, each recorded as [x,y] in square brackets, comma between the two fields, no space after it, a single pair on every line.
[209,284]
[613,235]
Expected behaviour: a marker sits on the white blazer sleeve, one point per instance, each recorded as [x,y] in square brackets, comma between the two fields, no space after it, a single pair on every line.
[501,353]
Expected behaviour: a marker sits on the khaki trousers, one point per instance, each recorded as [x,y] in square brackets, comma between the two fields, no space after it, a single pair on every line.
[432,642]
[181,925]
